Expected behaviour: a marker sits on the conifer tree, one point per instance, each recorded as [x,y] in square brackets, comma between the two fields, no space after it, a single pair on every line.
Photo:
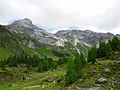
[2,64]
[40,67]
[82,58]
[78,65]
[115,44]
[108,49]
[92,54]
[70,76]
[45,64]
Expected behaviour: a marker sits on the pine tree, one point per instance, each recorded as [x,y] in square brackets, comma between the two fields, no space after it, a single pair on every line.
[2,64]
[92,54]
[40,67]
[101,50]
[82,58]
[70,76]
[78,65]
[108,49]
[45,64]
[115,44]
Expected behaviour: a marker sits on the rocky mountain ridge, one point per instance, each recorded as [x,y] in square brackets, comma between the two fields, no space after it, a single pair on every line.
[27,27]
[86,37]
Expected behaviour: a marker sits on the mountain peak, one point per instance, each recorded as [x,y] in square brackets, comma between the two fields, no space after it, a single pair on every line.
[24,22]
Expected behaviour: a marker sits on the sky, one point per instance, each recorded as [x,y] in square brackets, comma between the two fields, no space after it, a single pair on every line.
[54,15]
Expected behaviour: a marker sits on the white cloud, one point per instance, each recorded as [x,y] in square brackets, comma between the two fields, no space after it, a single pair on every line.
[97,15]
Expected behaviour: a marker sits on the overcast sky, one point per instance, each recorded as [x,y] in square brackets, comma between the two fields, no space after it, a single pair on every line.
[96,15]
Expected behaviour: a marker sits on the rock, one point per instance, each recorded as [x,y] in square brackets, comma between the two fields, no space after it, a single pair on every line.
[85,37]
[94,88]
[54,79]
[43,86]
[14,85]
[26,26]
[102,80]
[106,70]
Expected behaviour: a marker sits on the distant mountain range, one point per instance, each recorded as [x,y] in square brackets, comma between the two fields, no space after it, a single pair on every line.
[87,37]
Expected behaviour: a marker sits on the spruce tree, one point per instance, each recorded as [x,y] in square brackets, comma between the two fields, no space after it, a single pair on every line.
[108,49]
[78,65]
[115,44]
[40,67]
[83,60]
[2,64]
[45,64]
[101,51]
[92,54]
[70,76]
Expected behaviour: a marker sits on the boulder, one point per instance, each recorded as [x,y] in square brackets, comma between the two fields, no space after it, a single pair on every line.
[102,80]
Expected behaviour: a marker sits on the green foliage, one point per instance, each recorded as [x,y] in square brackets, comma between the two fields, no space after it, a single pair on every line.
[62,60]
[54,64]
[79,62]
[4,53]
[70,76]
[2,65]
[92,54]
[108,48]
[115,44]
[45,64]
[83,60]
[74,67]
[104,49]
[101,50]
[40,68]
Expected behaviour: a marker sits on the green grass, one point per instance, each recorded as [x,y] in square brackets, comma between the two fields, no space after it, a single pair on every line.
[37,81]
[91,73]
[4,53]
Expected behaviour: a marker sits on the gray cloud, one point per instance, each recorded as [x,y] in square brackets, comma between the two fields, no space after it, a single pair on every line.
[98,15]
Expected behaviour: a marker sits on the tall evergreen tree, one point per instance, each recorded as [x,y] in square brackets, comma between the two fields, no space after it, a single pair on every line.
[104,49]
[108,49]
[70,76]
[83,60]
[45,64]
[101,51]
[115,44]
[40,67]
[79,62]
[78,65]
[92,54]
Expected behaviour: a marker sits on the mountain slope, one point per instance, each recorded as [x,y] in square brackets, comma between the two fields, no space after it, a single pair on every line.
[15,43]
[27,27]
[86,37]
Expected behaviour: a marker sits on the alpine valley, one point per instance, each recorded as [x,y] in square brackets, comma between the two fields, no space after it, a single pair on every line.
[33,59]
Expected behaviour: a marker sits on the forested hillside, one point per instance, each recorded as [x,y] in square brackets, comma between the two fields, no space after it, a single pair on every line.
[27,64]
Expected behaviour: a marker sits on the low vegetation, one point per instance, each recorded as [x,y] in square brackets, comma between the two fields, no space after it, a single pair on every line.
[46,67]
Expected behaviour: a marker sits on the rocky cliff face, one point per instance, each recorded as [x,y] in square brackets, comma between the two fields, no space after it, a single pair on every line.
[87,37]
[27,27]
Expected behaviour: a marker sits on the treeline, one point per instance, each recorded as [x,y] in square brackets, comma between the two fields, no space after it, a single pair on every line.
[105,49]
[77,62]
[41,64]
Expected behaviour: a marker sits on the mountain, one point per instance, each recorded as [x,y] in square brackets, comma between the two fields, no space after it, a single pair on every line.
[85,37]
[30,60]
[79,36]
[12,43]
[14,40]
[26,26]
